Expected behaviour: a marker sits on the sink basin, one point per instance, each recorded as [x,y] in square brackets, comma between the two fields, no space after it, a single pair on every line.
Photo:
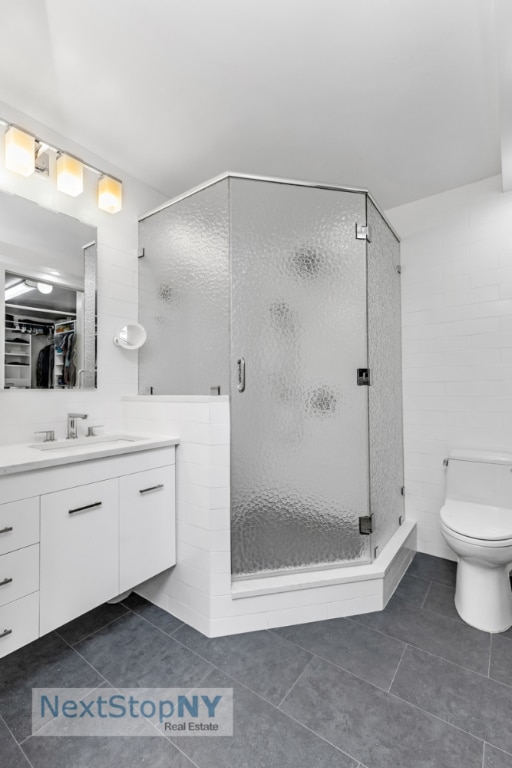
[82,442]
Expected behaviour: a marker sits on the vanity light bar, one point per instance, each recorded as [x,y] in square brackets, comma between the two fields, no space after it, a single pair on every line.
[23,152]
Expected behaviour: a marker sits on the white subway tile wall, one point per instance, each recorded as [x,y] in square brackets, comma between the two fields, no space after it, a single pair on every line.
[198,589]
[457,338]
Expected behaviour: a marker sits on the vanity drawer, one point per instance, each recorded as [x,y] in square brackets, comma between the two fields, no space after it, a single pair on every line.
[19,574]
[19,623]
[19,524]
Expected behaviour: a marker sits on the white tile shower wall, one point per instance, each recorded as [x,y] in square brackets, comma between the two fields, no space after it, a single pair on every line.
[23,412]
[457,338]
[203,570]
[198,589]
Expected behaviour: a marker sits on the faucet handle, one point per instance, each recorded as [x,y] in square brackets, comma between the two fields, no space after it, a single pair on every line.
[90,430]
[49,434]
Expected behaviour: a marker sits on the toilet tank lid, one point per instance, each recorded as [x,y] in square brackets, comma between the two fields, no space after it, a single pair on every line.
[478,521]
[485,457]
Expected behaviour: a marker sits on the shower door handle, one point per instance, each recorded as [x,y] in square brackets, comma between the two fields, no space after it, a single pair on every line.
[241,374]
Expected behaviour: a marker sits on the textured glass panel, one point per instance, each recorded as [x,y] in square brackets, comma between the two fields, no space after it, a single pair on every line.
[385,360]
[299,431]
[184,295]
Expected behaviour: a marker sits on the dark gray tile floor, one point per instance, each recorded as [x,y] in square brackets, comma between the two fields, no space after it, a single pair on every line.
[409,687]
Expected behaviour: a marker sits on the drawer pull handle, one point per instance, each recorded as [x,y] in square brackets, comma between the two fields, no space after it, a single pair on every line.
[153,488]
[5,581]
[7,530]
[87,506]
[6,632]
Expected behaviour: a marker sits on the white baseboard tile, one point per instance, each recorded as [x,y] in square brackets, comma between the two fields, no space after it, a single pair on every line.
[185,613]
[355,607]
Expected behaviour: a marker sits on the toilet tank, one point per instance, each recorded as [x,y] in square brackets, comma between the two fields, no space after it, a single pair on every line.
[480,476]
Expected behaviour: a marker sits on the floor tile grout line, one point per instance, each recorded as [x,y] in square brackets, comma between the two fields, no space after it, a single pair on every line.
[397,668]
[488,744]
[286,714]
[295,682]
[479,674]
[292,642]
[338,666]
[455,619]
[91,634]
[490,658]
[426,595]
[162,734]
[18,744]
[443,658]
[169,634]
[86,661]
[387,693]
[37,732]
[436,717]
[395,696]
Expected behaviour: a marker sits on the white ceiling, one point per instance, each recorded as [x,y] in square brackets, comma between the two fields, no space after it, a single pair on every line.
[400,96]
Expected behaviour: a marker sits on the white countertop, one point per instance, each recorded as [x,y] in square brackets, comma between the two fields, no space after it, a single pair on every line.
[24,457]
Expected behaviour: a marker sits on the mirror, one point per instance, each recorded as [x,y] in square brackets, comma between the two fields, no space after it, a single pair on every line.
[48,281]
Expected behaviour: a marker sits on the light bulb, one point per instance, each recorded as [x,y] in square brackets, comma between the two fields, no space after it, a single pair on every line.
[20,151]
[110,194]
[70,175]
[44,287]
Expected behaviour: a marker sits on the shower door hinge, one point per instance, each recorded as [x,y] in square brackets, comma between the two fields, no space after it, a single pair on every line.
[364,232]
[402,490]
[364,377]
[366,525]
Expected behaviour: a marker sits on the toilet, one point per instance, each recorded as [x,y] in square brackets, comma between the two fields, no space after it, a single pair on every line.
[476,521]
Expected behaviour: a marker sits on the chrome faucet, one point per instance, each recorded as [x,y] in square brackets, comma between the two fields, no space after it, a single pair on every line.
[72,424]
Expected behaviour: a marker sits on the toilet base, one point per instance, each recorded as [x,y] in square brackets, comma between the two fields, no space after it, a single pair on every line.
[483,597]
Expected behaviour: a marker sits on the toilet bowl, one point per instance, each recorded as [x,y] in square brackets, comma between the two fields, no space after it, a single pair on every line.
[476,522]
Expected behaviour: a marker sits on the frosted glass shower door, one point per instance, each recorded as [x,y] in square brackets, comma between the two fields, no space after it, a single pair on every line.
[299,428]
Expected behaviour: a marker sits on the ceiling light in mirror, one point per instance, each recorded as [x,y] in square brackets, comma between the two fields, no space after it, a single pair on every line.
[18,289]
[44,287]
[70,175]
[20,151]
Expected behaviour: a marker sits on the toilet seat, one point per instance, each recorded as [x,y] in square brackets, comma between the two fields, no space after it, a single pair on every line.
[490,526]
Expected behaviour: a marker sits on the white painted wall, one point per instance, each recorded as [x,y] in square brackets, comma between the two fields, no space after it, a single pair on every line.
[457,338]
[23,412]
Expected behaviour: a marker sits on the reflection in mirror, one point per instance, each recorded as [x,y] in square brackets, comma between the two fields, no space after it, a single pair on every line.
[48,278]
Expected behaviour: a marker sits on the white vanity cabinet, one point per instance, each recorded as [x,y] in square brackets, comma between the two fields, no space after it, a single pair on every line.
[92,529]
[147,533]
[79,551]
[19,573]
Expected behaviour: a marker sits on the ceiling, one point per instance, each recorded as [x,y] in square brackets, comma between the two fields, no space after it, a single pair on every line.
[398,96]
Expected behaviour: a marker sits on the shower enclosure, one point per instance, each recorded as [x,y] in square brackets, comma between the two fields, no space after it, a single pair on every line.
[285,296]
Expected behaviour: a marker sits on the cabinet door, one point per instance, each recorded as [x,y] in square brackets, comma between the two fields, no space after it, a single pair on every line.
[79,551]
[147,525]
